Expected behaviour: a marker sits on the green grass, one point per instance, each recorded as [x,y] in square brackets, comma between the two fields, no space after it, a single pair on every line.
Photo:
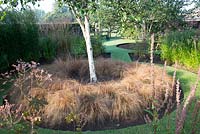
[117,53]
[186,78]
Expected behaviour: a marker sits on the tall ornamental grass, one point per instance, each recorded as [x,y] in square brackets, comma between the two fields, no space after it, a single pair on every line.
[183,47]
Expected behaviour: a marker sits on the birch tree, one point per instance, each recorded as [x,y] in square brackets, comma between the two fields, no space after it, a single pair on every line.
[82,10]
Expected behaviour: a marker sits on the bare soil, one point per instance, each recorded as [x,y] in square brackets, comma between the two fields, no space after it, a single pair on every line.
[145,58]
[134,46]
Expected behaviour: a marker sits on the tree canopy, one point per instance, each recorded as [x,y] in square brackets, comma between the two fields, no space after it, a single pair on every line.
[147,16]
[15,3]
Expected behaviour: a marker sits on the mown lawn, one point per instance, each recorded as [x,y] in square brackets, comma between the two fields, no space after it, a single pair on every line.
[117,53]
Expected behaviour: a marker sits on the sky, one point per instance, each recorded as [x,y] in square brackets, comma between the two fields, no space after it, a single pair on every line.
[46,5]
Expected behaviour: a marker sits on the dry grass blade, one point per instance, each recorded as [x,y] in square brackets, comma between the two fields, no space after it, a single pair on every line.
[126,106]
[59,105]
[95,107]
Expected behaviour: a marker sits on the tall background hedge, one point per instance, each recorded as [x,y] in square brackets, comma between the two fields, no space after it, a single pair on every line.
[18,38]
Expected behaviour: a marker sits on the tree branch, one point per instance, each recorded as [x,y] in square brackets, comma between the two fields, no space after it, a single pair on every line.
[78,19]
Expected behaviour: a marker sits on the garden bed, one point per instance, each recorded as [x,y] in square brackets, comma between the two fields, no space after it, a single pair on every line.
[134,46]
[141,52]
[145,58]
[106,55]
[119,99]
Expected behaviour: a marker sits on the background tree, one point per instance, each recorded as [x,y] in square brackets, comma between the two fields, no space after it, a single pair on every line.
[10,4]
[148,16]
[121,12]
[104,20]
[60,14]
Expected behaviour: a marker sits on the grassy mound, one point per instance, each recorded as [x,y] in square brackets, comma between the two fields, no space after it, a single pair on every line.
[119,99]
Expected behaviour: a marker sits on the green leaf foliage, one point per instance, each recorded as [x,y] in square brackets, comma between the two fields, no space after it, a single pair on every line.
[15,3]
[147,16]
[183,47]
[48,48]
[80,8]
[60,14]
[78,48]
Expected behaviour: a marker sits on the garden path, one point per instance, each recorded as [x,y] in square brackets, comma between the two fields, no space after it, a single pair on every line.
[117,53]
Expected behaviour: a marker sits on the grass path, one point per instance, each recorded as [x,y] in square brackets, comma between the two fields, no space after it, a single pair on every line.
[116,52]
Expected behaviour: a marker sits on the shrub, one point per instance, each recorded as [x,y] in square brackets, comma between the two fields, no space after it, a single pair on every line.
[95,107]
[124,105]
[65,101]
[18,38]
[97,46]
[47,48]
[62,40]
[78,69]
[78,48]
[13,116]
[183,47]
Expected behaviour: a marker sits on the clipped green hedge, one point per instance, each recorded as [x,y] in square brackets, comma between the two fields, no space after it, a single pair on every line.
[183,47]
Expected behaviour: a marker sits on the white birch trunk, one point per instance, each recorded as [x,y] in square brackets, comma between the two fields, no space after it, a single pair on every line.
[85,27]
[93,77]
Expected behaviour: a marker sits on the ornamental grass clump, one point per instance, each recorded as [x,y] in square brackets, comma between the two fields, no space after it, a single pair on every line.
[95,107]
[120,97]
